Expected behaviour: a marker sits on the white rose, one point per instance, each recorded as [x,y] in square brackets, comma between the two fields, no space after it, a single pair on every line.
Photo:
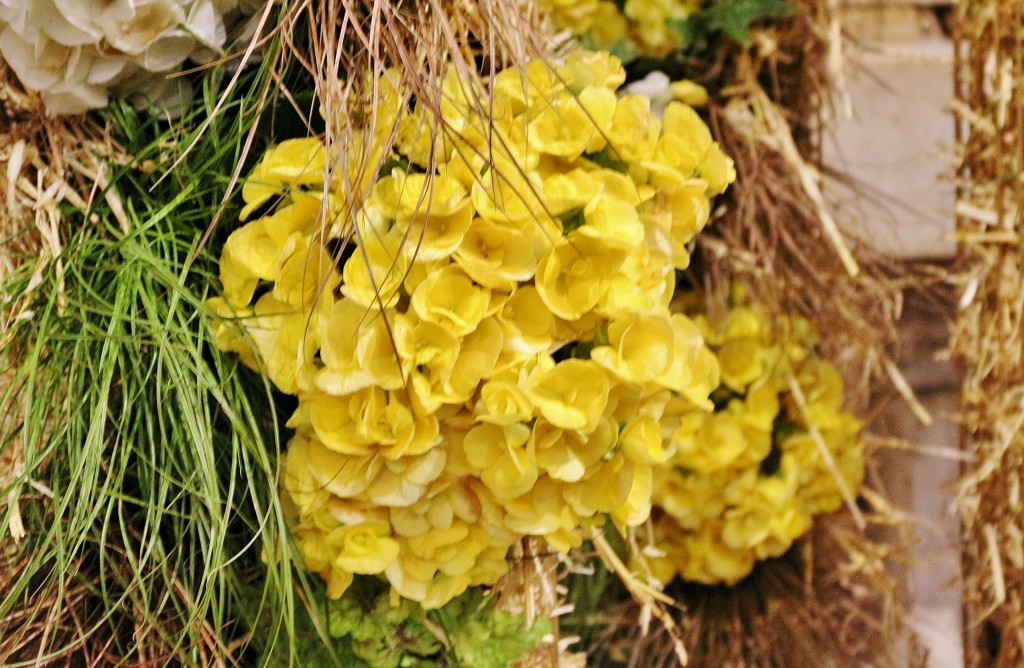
[150,20]
[60,73]
[75,51]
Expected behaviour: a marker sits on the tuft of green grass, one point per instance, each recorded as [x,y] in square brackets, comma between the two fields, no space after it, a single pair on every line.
[154,530]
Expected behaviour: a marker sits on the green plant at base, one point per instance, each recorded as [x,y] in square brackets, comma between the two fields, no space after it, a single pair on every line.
[369,630]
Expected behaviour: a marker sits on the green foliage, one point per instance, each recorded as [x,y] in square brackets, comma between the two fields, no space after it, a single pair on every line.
[732,17]
[369,630]
[483,637]
[149,486]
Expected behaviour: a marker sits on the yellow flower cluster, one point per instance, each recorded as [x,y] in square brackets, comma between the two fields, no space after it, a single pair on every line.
[745,480]
[639,26]
[493,356]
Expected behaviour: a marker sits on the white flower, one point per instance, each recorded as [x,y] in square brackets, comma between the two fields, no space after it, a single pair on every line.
[77,52]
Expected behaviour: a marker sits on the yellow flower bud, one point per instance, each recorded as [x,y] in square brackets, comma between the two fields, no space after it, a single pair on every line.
[689,92]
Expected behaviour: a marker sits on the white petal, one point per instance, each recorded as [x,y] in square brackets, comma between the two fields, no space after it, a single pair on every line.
[34,72]
[105,70]
[150,21]
[168,51]
[206,24]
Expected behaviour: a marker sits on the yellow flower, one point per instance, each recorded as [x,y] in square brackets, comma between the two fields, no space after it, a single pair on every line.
[740,363]
[406,480]
[313,469]
[433,214]
[605,488]
[574,276]
[372,420]
[286,342]
[505,457]
[717,169]
[476,359]
[690,498]
[565,191]
[317,557]
[718,440]
[571,394]
[766,520]
[496,255]
[566,454]
[357,350]
[711,561]
[634,130]
[637,507]
[423,344]
[609,25]
[528,325]
[642,442]
[697,363]
[434,428]
[543,512]
[307,274]
[823,392]
[507,193]
[364,548]
[584,69]
[503,401]
[290,163]
[644,283]
[760,406]
[613,222]
[576,16]
[374,273]
[569,125]
[640,350]
[688,209]
[682,122]
[248,256]
[450,299]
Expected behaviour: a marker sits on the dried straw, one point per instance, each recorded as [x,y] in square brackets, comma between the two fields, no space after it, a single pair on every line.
[825,602]
[989,333]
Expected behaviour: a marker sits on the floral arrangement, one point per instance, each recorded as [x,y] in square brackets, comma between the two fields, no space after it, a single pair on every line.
[76,53]
[464,297]
[494,355]
[746,480]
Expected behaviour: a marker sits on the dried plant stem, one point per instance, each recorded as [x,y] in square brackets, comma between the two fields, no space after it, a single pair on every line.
[989,333]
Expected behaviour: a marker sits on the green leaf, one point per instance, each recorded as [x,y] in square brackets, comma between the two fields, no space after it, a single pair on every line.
[732,17]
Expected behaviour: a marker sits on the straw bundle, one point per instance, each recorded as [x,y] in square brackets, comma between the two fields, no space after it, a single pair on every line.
[990,330]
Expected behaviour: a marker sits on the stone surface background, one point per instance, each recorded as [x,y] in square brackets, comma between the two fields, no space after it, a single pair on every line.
[897,144]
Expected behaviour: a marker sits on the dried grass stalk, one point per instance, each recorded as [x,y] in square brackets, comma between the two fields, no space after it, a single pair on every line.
[989,333]
[825,602]
[533,588]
